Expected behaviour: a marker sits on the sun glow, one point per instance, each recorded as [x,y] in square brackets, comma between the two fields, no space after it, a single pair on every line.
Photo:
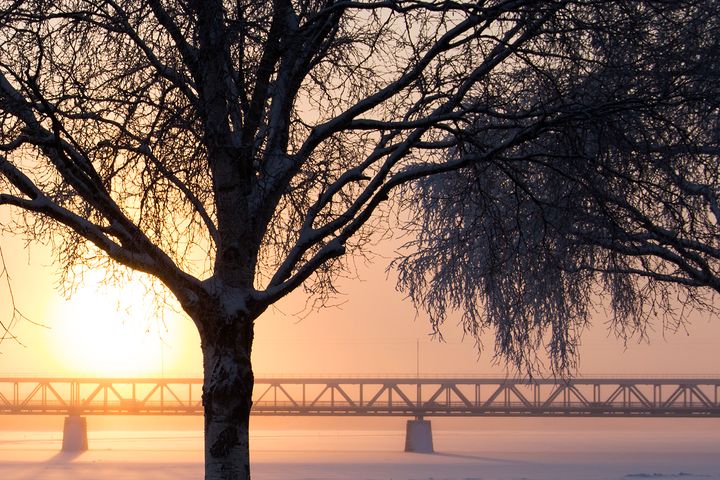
[111,331]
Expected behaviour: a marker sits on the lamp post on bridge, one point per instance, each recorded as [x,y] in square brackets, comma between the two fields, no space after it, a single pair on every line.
[418,432]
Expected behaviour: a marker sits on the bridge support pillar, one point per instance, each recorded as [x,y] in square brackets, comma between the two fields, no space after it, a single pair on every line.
[418,436]
[75,434]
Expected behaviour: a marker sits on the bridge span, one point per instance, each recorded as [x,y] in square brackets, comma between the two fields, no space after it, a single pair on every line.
[416,397]
[404,397]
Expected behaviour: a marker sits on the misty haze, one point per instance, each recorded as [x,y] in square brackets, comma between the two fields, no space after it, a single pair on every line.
[338,239]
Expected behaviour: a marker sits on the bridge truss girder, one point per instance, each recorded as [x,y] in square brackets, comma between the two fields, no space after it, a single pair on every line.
[416,397]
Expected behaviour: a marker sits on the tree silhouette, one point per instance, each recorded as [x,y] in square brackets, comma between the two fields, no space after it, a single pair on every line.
[553,143]
[613,191]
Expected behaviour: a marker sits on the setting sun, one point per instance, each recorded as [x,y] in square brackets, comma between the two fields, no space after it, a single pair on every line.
[107,331]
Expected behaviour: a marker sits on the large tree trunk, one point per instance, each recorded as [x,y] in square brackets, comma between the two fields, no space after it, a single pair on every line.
[227,398]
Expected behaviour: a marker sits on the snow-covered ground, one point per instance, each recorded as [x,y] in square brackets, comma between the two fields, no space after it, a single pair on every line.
[486,449]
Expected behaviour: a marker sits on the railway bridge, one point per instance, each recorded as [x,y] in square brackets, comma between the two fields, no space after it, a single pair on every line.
[417,398]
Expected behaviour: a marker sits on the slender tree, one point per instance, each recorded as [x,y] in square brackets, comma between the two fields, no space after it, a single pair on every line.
[269,135]
[614,195]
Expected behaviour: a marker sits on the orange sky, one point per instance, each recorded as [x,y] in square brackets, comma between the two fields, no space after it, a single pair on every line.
[373,331]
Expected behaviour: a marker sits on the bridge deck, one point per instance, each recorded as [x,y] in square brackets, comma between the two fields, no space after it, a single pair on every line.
[423,397]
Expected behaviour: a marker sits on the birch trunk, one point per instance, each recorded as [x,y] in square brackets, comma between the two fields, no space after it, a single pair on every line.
[227,398]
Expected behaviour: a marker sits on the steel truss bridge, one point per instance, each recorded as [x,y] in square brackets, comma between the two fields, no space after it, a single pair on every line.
[409,397]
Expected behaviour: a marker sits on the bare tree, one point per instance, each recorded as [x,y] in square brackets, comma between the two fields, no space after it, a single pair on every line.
[616,185]
[268,135]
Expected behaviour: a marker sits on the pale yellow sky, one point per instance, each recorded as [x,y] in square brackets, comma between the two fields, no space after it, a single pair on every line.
[373,331]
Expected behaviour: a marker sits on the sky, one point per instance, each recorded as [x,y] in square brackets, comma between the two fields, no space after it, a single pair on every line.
[372,330]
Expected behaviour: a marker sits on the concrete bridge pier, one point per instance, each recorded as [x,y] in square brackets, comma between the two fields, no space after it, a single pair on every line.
[418,436]
[75,434]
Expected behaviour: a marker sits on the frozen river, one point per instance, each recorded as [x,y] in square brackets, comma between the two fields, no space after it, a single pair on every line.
[527,449]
